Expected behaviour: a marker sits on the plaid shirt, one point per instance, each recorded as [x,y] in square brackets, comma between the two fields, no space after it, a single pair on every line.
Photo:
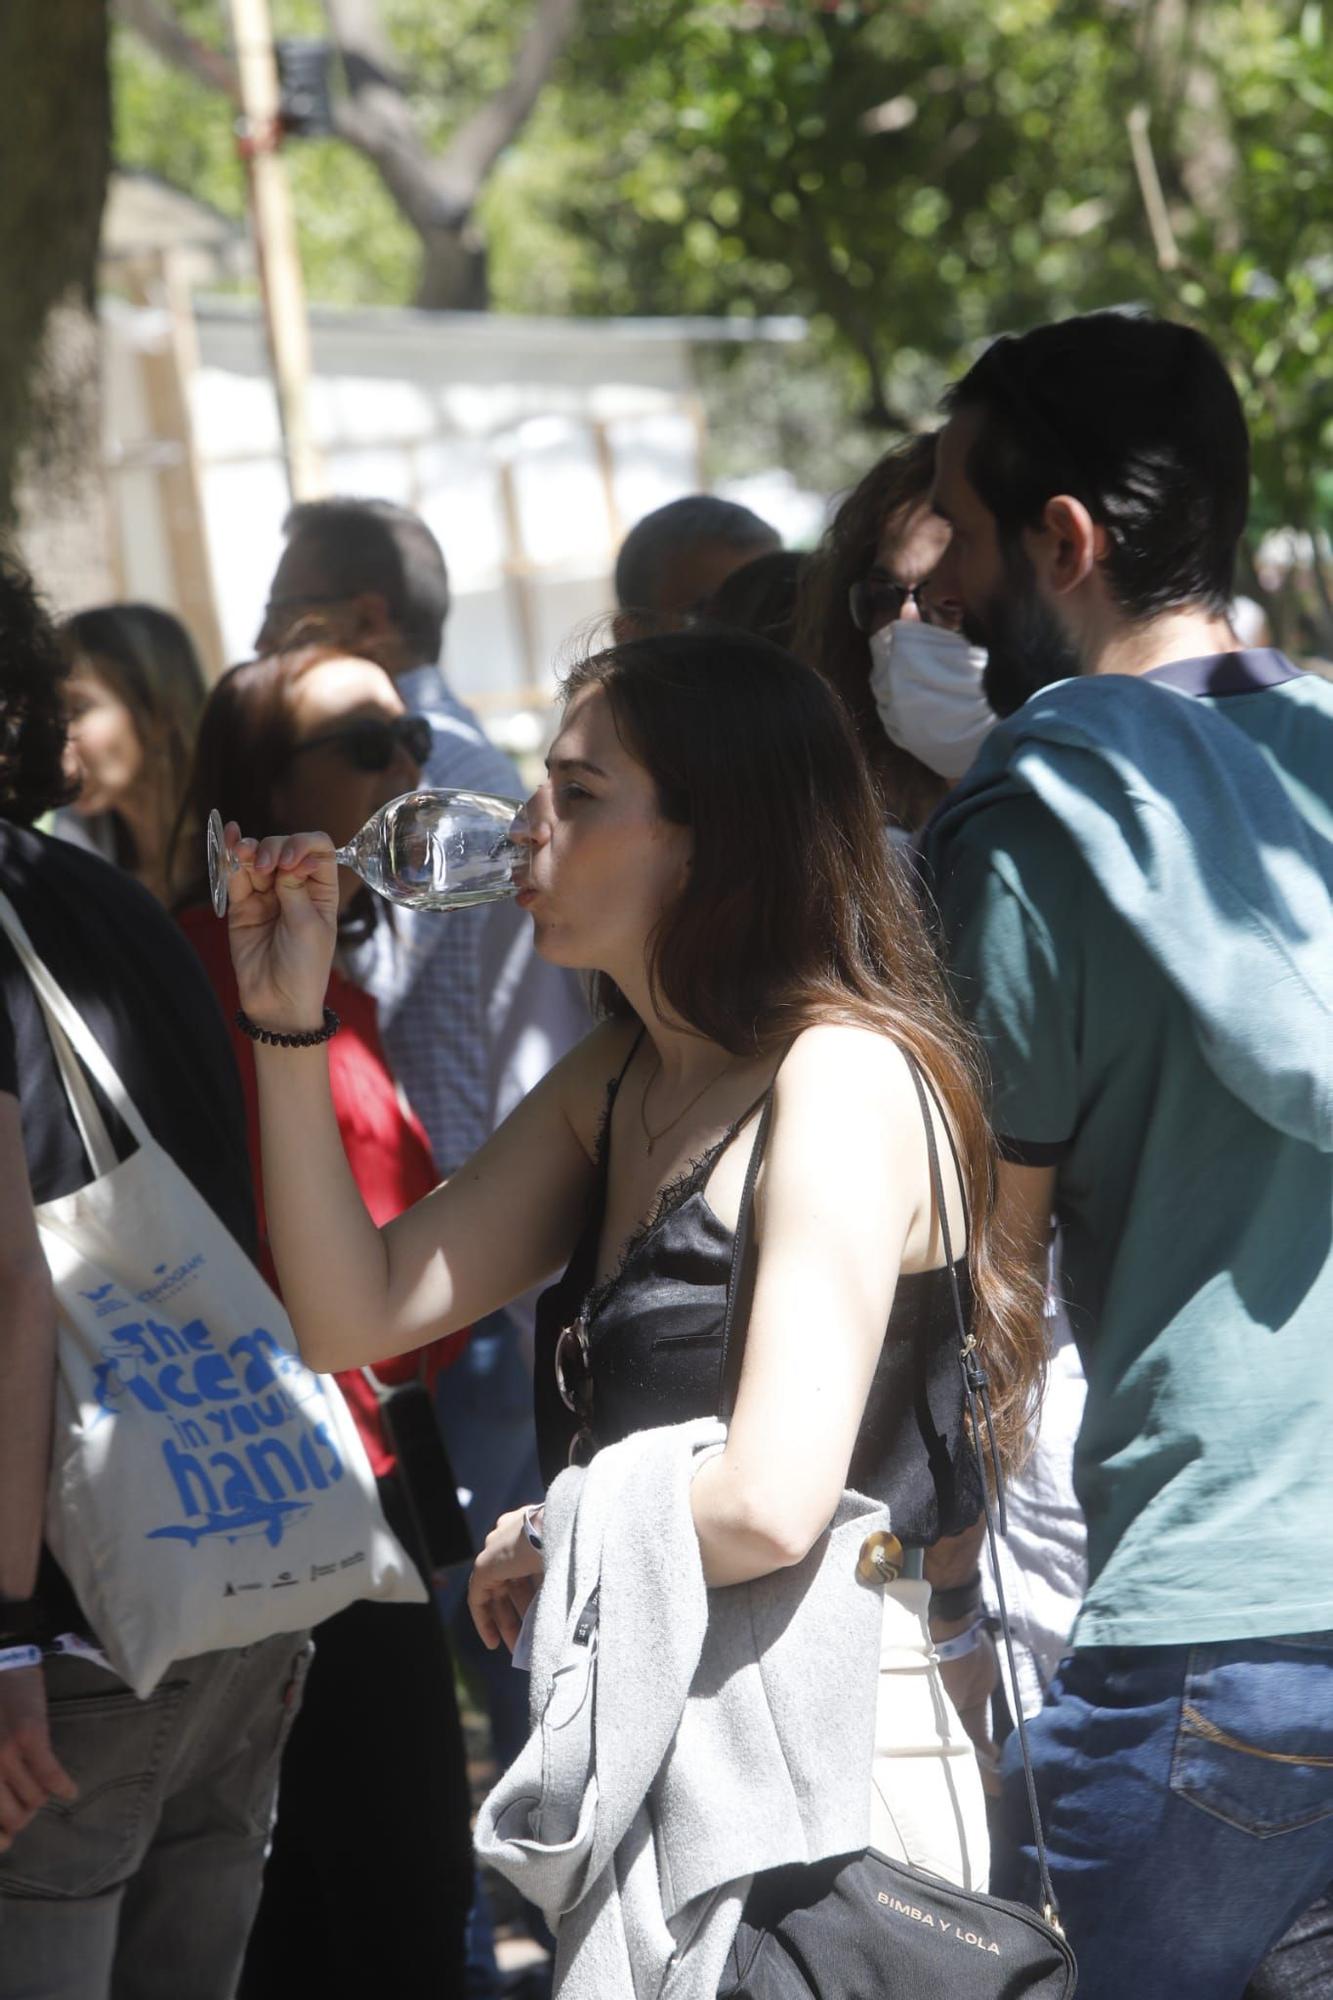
[470,1016]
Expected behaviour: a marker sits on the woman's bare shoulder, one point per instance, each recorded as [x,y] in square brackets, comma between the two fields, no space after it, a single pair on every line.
[842,1092]
[850,1057]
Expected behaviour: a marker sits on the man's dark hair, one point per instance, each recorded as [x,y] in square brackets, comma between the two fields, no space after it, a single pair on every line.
[374,545]
[1137,418]
[32,712]
[669,531]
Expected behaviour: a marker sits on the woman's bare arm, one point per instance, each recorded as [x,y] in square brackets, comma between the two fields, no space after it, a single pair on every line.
[357,1294]
[843,1186]
[506,1220]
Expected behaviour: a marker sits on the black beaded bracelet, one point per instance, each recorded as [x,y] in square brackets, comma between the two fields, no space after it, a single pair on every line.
[309,1038]
[959,1601]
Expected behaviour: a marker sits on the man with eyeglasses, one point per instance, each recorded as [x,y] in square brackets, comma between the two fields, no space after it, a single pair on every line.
[1136,887]
[470,1016]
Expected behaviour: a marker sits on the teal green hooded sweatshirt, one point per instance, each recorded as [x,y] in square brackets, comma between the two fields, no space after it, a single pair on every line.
[1135,882]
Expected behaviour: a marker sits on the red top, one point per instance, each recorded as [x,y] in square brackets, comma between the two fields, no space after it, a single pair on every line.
[386,1149]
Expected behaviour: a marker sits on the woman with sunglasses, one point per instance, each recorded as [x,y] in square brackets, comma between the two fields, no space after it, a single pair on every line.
[872,572]
[707,842]
[369,1880]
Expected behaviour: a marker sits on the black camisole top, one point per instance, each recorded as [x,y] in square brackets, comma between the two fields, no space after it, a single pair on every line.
[654,1334]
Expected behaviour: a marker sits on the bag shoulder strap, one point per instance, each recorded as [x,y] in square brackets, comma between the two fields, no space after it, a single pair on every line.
[976,1390]
[71,1037]
[88,1120]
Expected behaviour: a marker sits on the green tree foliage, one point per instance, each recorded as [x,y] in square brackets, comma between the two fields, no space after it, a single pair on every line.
[426,104]
[913,176]
[918,177]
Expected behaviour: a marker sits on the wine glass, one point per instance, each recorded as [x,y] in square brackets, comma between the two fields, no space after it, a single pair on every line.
[432,850]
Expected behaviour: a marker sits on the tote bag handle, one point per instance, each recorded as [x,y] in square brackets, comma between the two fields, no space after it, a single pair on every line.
[71,1037]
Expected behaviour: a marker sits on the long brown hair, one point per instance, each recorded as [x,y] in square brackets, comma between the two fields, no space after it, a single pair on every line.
[825,637]
[796,913]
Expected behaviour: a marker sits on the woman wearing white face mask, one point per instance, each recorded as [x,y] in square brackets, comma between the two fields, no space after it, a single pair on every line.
[868,619]
[926,681]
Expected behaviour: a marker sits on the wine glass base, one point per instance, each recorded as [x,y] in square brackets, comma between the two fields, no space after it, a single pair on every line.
[215,843]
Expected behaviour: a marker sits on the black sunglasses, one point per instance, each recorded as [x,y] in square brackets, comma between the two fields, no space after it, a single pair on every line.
[372,745]
[877,600]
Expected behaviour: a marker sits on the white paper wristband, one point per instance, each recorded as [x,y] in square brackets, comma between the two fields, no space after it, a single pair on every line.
[965,1642]
[14,1657]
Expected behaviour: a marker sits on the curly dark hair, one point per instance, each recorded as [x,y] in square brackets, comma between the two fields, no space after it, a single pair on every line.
[826,638]
[32,711]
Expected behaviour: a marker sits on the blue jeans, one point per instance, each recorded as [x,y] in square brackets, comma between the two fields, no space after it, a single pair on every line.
[1187,1799]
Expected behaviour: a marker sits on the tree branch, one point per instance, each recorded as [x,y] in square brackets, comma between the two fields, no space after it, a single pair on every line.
[156,26]
[435,191]
[375,116]
[478,143]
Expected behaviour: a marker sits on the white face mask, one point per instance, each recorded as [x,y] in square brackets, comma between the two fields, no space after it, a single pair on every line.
[927,688]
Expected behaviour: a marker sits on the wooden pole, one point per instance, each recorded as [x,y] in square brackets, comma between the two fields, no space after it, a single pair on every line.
[1150,188]
[275,242]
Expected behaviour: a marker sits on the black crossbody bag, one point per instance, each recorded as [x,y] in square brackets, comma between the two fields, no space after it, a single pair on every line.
[861,1926]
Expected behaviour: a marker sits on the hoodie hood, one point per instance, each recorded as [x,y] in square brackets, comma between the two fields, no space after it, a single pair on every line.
[1196,843]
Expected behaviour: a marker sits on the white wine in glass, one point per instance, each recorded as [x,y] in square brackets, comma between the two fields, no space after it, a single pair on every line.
[432,850]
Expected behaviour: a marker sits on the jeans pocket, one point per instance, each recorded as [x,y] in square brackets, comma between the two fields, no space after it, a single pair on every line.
[1254,1746]
[113,1746]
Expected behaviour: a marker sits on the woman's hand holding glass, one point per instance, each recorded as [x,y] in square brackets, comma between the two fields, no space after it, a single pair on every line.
[505,1578]
[282,917]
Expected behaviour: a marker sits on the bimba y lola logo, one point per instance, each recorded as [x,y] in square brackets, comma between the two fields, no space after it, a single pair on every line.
[930,1922]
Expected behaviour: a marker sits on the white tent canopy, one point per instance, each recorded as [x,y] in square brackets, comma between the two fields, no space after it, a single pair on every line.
[529,445]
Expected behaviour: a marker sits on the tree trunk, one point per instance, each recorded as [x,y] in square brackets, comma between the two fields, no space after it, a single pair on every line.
[54,161]
[453,275]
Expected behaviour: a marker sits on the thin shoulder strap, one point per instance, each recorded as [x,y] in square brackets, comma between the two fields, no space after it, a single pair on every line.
[635,1046]
[603,1156]
[733,1335]
[919,1078]
[976,1389]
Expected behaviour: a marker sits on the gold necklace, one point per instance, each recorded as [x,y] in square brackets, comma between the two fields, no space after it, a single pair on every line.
[654,1137]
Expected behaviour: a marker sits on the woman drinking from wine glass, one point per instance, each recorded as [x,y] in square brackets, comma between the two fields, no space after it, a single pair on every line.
[708,843]
[305,737]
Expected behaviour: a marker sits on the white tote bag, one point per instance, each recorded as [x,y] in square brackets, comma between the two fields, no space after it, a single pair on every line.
[207,1490]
